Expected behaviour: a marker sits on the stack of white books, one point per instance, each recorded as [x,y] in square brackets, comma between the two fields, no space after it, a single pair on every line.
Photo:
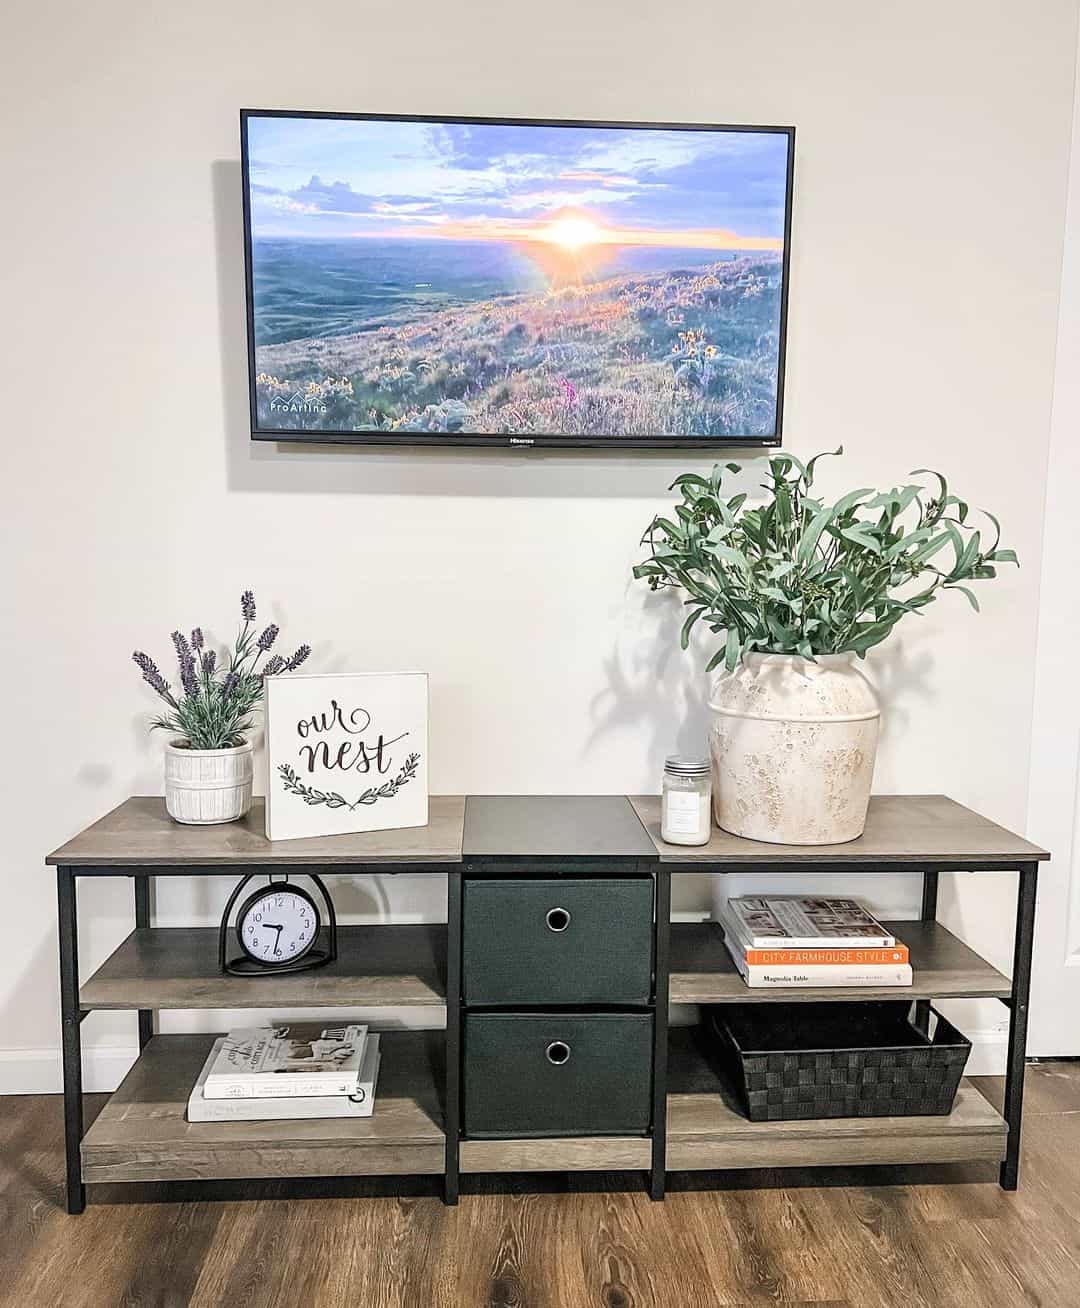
[295,1071]
[806,942]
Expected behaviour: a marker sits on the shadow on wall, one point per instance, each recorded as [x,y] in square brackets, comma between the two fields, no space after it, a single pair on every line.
[899,678]
[372,470]
[654,687]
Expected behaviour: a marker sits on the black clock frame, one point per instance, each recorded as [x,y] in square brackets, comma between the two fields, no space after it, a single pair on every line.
[317,953]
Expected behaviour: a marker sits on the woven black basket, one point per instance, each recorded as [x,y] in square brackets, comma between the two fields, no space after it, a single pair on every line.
[795,1061]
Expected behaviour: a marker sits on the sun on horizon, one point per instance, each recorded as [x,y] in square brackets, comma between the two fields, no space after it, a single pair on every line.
[572,232]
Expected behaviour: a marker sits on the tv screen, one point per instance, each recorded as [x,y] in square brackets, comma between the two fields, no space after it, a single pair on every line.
[482,282]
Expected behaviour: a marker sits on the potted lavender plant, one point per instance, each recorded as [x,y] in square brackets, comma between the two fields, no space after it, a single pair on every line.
[209,762]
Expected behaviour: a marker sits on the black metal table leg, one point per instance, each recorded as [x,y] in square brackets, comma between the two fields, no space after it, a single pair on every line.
[929,896]
[453,1037]
[658,1169]
[71,1038]
[142,919]
[928,913]
[1018,1021]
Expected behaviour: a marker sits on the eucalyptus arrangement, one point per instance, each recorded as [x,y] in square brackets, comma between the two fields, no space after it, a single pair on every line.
[208,763]
[796,575]
[794,587]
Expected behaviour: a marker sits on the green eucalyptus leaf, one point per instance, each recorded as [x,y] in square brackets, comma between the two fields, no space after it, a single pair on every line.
[847,502]
[930,547]
[811,536]
[967,556]
[690,479]
[687,626]
[731,649]
[716,658]
[825,454]
[732,556]
[965,591]
[860,536]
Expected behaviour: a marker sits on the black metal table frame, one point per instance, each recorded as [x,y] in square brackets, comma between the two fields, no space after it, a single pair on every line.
[72,1015]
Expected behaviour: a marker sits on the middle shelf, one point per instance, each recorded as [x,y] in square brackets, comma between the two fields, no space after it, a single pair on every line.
[177,967]
[389,965]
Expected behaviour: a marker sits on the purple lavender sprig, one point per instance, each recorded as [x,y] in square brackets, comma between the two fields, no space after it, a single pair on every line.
[189,678]
[152,676]
[180,644]
[218,694]
[301,654]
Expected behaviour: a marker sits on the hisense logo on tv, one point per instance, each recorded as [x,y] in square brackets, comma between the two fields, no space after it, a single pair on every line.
[298,402]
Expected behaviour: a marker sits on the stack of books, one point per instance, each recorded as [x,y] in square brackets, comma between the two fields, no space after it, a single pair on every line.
[808,942]
[295,1071]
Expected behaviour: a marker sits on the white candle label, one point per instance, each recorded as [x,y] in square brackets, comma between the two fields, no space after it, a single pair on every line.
[683,813]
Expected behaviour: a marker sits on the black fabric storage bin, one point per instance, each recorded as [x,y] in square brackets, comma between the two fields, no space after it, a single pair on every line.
[796,1061]
[557,1074]
[563,940]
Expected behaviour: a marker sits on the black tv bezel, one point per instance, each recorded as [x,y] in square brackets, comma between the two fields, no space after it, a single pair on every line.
[465,440]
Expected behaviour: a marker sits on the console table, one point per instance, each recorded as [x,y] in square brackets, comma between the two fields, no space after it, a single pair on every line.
[555,966]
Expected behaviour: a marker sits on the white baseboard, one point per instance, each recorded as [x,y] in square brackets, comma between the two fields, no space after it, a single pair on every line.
[988,1049]
[37,1071]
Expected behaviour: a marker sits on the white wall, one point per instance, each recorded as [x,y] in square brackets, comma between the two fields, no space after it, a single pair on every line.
[927,244]
[1054,794]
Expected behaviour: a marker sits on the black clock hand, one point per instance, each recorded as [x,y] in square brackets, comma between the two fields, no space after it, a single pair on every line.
[272,926]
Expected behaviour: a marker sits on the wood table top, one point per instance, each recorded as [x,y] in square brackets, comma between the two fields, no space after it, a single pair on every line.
[900,829]
[140,833]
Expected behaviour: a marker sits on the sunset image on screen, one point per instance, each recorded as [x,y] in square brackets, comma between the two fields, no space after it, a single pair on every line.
[515,279]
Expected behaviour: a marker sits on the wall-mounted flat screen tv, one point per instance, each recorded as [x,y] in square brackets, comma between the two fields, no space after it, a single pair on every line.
[490,282]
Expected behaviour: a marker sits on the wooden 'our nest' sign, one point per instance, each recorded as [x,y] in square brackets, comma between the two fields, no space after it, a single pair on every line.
[345,753]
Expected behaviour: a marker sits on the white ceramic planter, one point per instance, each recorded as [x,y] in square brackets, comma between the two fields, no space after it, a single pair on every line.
[793,745]
[203,786]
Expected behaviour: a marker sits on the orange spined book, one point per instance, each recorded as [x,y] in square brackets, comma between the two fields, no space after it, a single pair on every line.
[824,956]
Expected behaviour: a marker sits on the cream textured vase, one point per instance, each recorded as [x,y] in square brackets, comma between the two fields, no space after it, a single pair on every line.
[203,786]
[793,745]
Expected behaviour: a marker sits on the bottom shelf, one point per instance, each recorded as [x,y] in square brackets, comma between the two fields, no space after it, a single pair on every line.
[142,1133]
[706,1131]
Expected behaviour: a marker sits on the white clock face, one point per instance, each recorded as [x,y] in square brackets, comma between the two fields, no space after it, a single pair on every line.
[278,926]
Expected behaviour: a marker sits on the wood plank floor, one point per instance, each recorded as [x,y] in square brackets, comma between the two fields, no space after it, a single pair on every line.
[946,1237]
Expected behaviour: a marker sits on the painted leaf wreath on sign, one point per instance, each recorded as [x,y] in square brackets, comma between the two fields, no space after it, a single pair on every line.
[332,799]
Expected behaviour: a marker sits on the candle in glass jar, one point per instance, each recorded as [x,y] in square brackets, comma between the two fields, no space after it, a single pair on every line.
[686,801]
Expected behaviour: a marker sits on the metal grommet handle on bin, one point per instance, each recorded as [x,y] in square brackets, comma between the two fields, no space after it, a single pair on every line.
[557,1053]
[557,919]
